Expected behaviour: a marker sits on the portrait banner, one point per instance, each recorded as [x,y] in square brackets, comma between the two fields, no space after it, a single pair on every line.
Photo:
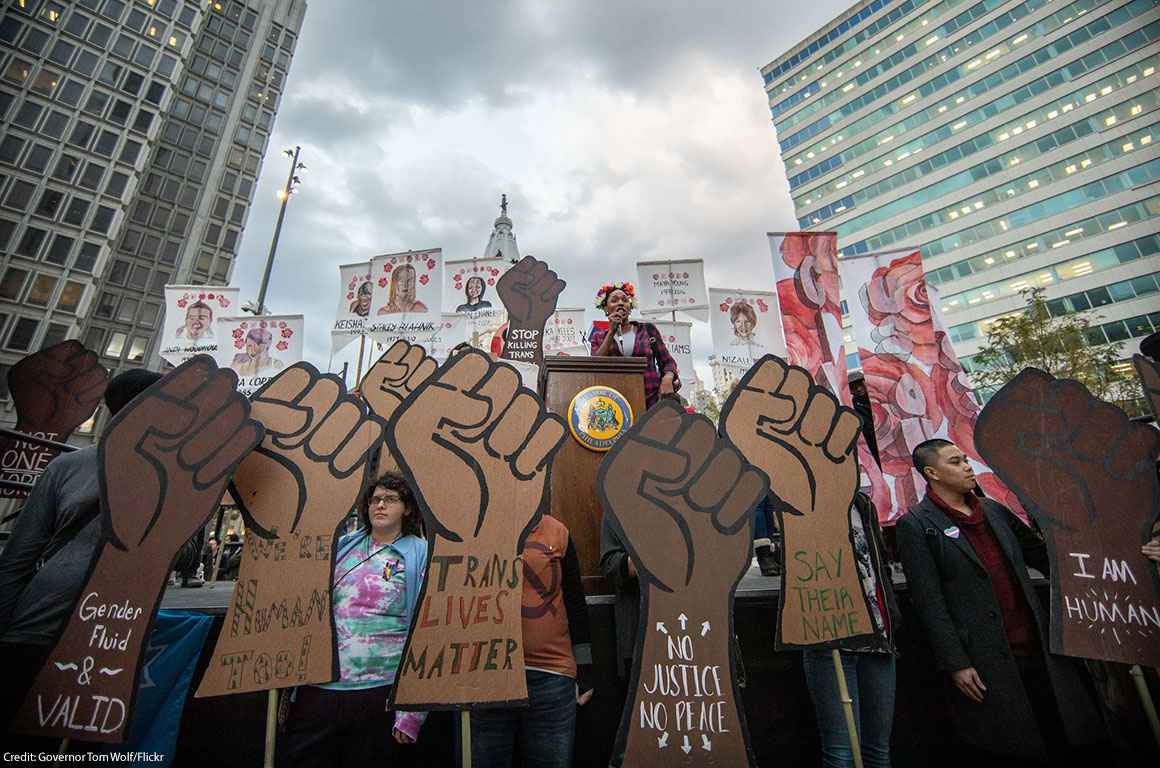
[745,326]
[259,348]
[356,292]
[1087,475]
[678,339]
[408,300]
[191,312]
[469,286]
[916,386]
[564,331]
[672,286]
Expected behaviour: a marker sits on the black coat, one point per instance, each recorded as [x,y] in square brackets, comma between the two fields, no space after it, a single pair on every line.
[956,605]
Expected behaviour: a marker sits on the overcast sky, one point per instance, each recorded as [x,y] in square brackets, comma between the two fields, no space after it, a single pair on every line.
[620,132]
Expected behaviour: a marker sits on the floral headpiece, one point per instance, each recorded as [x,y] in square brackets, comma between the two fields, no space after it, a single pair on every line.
[606,289]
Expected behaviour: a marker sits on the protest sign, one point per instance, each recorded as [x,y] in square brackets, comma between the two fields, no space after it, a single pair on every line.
[54,391]
[804,440]
[164,463]
[564,331]
[1087,475]
[408,298]
[293,490]
[745,326]
[477,449]
[672,286]
[529,291]
[679,497]
[678,340]
[191,312]
[258,348]
[469,286]
[356,292]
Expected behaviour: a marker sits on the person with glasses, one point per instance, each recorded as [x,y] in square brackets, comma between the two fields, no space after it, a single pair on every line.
[378,571]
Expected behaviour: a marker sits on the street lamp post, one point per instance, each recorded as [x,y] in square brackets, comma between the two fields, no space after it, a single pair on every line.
[292,182]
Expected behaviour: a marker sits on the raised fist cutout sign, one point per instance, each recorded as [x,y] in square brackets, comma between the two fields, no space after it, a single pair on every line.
[529,291]
[477,449]
[679,497]
[804,440]
[1087,476]
[391,380]
[293,489]
[165,461]
[54,391]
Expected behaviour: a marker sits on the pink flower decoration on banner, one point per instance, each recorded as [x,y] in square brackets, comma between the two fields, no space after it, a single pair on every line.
[896,302]
[387,268]
[762,305]
[905,408]
[570,321]
[237,333]
[424,279]
[287,333]
[692,301]
[430,263]
[801,345]
[209,296]
[724,306]
[491,281]
[238,344]
[408,259]
[382,282]
[814,261]
[201,295]
[281,323]
[182,303]
[281,346]
[349,295]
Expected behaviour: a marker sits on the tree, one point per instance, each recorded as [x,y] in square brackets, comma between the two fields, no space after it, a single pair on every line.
[1065,346]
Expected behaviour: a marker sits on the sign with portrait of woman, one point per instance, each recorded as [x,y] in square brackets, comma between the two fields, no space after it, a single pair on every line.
[408,295]
[190,312]
[258,348]
[469,288]
[746,326]
[355,294]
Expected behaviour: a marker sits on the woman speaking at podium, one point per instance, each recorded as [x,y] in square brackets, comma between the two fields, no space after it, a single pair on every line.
[628,338]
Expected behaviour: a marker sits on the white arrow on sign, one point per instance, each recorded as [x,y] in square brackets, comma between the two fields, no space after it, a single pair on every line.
[661,627]
[663,741]
[684,620]
[706,744]
[686,747]
[704,628]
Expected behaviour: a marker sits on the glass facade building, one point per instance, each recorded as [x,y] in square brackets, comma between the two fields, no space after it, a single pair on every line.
[1012,141]
[133,135]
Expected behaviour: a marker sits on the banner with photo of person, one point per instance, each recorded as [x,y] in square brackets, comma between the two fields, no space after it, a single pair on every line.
[678,339]
[356,291]
[190,312]
[258,348]
[672,286]
[408,296]
[564,333]
[916,386]
[745,326]
[469,288]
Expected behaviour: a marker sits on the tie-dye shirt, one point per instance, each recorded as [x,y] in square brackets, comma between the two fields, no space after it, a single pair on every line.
[370,614]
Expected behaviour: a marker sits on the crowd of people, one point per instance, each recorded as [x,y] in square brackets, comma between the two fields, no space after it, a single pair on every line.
[965,559]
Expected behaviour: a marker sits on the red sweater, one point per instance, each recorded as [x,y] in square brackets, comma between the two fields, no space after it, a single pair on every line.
[1017,619]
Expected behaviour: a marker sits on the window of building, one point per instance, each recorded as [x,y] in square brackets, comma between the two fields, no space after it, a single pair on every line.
[117,183]
[103,219]
[45,82]
[37,159]
[10,148]
[40,294]
[6,229]
[18,71]
[230,241]
[20,338]
[97,103]
[70,93]
[35,41]
[86,63]
[106,144]
[30,242]
[150,245]
[106,306]
[78,208]
[130,152]
[160,280]
[145,55]
[112,9]
[55,334]
[221,271]
[133,83]
[131,240]
[116,345]
[180,224]
[19,195]
[120,112]
[66,168]
[95,338]
[136,20]
[28,115]
[77,24]
[143,120]
[149,314]
[54,124]
[155,92]
[50,200]
[213,233]
[166,65]
[139,277]
[6,100]
[110,74]
[160,219]
[127,310]
[59,250]
[10,28]
[82,134]
[87,257]
[137,349]
[93,175]
[99,35]
[13,283]
[123,47]
[169,252]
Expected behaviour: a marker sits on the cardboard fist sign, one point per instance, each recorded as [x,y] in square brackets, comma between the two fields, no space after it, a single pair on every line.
[529,292]
[165,461]
[1087,475]
[54,391]
[679,497]
[804,440]
[477,449]
[293,489]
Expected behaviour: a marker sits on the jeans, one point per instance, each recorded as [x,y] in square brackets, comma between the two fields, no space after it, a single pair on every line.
[332,729]
[545,729]
[870,681]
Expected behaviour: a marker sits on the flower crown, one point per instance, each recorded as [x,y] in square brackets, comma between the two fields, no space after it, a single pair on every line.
[606,289]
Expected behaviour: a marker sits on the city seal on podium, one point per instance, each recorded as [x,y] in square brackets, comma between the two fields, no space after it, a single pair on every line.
[598,416]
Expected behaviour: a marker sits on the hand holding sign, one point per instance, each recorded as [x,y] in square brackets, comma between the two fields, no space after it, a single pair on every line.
[800,435]
[529,291]
[477,448]
[164,461]
[1087,475]
[680,498]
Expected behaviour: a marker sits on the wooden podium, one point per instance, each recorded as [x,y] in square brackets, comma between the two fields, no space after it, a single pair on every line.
[574,500]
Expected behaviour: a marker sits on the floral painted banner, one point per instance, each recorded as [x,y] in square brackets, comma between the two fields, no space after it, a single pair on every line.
[258,348]
[672,286]
[408,296]
[917,387]
[469,288]
[355,294]
[809,294]
[745,326]
[190,311]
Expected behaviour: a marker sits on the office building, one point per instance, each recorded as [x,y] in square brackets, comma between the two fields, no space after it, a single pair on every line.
[133,135]
[1012,141]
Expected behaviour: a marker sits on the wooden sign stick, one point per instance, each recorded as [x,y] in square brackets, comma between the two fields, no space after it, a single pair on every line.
[271,727]
[847,707]
[464,738]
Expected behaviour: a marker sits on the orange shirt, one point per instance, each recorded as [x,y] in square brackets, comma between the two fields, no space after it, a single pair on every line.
[547,641]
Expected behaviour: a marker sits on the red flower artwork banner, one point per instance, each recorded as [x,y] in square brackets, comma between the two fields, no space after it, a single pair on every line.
[917,388]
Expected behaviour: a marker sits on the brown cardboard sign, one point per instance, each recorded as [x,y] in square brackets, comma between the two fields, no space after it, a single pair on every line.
[804,440]
[679,497]
[165,460]
[1087,475]
[293,490]
[477,449]
[529,291]
[391,380]
[54,391]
